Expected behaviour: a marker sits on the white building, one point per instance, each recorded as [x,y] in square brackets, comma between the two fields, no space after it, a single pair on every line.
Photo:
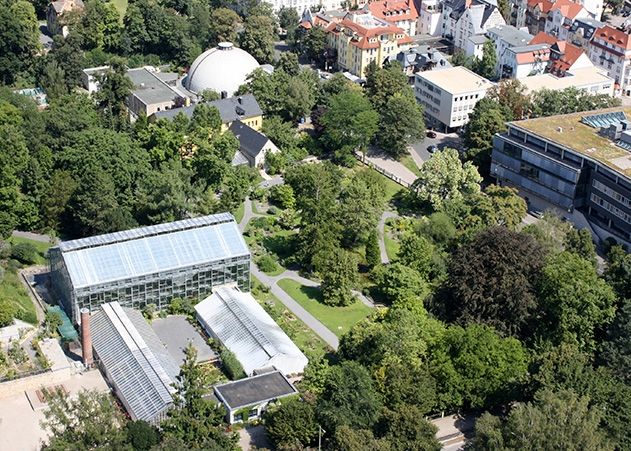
[506,37]
[475,46]
[246,329]
[588,79]
[525,61]
[402,13]
[610,49]
[561,17]
[89,77]
[429,18]
[474,17]
[449,96]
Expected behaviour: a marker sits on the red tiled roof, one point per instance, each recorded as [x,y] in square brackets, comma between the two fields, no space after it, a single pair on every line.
[569,54]
[394,10]
[364,34]
[305,24]
[543,38]
[531,57]
[614,36]
[568,8]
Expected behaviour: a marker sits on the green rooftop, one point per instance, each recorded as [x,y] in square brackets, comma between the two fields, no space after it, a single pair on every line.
[582,138]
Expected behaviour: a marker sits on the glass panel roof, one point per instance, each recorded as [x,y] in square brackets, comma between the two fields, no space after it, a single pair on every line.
[147,250]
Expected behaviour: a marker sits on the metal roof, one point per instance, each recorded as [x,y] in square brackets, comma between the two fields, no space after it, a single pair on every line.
[137,363]
[246,329]
[254,390]
[147,250]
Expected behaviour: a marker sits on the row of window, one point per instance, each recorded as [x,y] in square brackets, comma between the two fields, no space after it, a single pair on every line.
[611,193]
[611,208]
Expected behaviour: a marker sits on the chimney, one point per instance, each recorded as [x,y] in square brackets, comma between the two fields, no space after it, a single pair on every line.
[224,94]
[86,338]
[240,99]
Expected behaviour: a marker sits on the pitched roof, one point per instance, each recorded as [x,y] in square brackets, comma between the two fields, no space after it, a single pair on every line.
[531,53]
[567,8]
[511,35]
[393,10]
[568,55]
[614,36]
[251,142]
[230,109]
[543,38]
[61,6]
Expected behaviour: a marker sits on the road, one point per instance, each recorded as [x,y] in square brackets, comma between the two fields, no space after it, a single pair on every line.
[442,140]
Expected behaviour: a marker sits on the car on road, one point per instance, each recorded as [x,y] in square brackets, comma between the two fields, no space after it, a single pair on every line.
[431,134]
[433,148]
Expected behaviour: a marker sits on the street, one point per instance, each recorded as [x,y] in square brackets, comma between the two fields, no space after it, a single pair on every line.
[442,140]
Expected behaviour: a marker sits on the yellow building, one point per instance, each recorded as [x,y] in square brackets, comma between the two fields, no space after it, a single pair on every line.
[360,38]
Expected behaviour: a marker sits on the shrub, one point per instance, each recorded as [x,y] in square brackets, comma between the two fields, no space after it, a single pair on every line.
[148,311]
[7,312]
[142,435]
[24,253]
[283,196]
[231,366]
[267,263]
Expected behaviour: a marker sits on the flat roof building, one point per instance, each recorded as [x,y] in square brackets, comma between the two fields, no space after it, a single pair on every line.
[589,79]
[153,91]
[579,161]
[449,96]
[247,330]
[150,265]
[246,399]
[134,361]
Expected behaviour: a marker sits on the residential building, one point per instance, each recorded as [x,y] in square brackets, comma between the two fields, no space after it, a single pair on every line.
[429,17]
[610,49]
[153,91]
[150,265]
[525,61]
[476,17]
[582,31]
[361,38]
[594,7]
[519,9]
[505,37]
[254,146]
[401,13]
[239,322]
[243,108]
[579,163]
[55,12]
[246,399]
[89,78]
[565,57]
[588,79]
[475,46]
[134,361]
[561,17]
[420,59]
[449,96]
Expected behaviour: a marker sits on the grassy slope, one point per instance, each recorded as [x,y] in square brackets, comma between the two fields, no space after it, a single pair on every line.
[121,6]
[338,319]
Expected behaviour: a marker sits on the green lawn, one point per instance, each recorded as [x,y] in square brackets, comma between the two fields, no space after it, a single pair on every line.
[238,215]
[392,245]
[338,319]
[13,289]
[308,342]
[409,163]
[41,247]
[121,6]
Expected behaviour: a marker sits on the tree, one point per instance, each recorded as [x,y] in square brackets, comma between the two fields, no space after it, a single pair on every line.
[205,116]
[580,242]
[485,67]
[349,398]
[618,272]
[396,282]
[287,17]
[314,44]
[88,421]
[8,310]
[616,349]
[513,98]
[401,124]
[19,39]
[445,177]
[288,63]
[350,123]
[560,420]
[577,303]
[52,80]
[114,88]
[223,25]
[417,253]
[257,38]
[373,253]
[362,202]
[142,435]
[292,425]
[492,281]
[196,421]
[99,25]
[406,430]
[352,439]
[474,367]
[339,274]
[487,119]
[283,196]
[546,102]
[504,206]
[384,83]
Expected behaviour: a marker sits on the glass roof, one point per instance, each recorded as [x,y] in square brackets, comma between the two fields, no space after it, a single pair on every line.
[147,250]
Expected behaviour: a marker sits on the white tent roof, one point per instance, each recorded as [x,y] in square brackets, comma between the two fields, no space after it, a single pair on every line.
[245,328]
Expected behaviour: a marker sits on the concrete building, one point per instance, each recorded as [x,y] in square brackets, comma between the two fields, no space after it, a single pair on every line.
[150,265]
[246,399]
[361,38]
[429,18]
[449,96]
[401,13]
[89,78]
[506,37]
[589,79]
[55,12]
[525,61]
[254,146]
[246,329]
[475,46]
[610,49]
[153,91]
[578,162]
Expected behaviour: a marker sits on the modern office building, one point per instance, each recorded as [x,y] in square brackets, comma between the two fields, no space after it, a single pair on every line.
[150,265]
[575,162]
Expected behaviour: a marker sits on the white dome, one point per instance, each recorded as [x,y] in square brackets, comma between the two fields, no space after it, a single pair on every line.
[223,68]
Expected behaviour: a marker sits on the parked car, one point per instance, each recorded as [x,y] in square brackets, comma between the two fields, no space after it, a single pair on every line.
[431,134]
[432,148]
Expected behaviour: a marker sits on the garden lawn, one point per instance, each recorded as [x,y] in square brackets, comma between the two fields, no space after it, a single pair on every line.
[338,320]
[238,215]
[42,247]
[409,163]
[13,289]
[121,6]
[392,245]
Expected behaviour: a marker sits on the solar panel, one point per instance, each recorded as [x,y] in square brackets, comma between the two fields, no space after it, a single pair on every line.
[604,119]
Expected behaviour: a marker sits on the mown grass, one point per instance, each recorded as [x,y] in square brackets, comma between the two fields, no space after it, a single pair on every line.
[13,289]
[409,163]
[338,320]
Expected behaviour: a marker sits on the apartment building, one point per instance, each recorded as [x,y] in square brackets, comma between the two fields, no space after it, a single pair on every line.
[610,49]
[361,38]
[402,13]
[463,19]
[525,61]
[506,37]
[449,96]
[561,17]
[579,161]
[582,31]
[429,17]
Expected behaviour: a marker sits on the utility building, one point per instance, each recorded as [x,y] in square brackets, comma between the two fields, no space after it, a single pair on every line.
[150,265]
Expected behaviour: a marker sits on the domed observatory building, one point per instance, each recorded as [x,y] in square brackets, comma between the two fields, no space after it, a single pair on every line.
[221,69]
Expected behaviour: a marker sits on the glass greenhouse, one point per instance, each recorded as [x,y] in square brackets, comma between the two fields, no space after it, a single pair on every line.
[150,265]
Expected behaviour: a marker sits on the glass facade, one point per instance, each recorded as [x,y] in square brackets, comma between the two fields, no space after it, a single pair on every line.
[151,265]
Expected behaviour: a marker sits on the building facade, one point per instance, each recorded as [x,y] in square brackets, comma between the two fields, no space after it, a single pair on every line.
[55,12]
[429,17]
[150,265]
[525,61]
[402,13]
[561,17]
[449,96]
[610,49]
[506,37]
[548,158]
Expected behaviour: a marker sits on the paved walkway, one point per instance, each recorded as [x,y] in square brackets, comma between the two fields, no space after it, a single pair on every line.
[382,231]
[390,166]
[33,236]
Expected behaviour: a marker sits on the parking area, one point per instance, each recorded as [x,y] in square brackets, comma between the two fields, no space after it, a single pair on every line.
[176,333]
[441,141]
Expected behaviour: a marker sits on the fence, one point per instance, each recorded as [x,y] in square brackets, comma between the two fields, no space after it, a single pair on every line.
[382,171]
